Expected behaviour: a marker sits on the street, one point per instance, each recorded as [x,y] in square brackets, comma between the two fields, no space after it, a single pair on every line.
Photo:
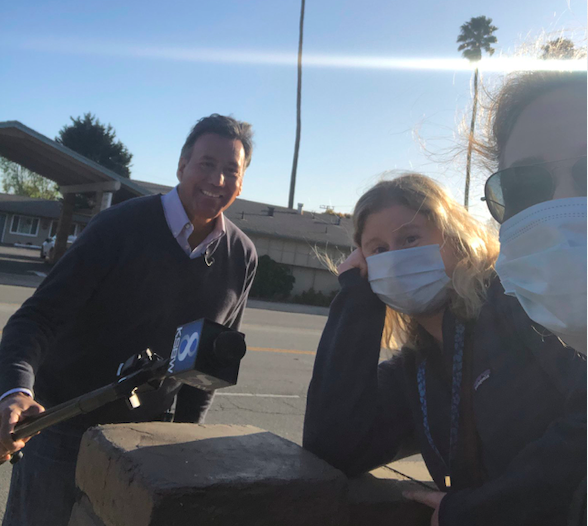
[274,375]
[273,378]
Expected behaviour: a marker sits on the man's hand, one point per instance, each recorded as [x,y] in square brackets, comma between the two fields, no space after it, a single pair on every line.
[429,498]
[13,409]
[355,260]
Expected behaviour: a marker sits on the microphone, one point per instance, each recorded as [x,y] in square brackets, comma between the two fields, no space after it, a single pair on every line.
[205,354]
[208,259]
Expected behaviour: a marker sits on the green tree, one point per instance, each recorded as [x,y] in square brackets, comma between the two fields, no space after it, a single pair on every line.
[89,137]
[558,48]
[273,280]
[475,36]
[18,180]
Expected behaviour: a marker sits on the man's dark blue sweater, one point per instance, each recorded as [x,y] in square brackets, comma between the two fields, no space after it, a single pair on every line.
[124,285]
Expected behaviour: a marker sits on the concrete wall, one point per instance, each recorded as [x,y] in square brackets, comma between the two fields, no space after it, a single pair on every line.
[301,257]
[157,474]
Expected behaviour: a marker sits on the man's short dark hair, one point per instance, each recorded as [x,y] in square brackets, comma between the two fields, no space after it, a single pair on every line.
[226,127]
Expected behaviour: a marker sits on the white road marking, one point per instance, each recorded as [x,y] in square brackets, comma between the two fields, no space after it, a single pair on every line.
[258,395]
[40,274]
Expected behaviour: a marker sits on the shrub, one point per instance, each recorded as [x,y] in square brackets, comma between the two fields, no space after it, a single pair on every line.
[273,280]
[312,297]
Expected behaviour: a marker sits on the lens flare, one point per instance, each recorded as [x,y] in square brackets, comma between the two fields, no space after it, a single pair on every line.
[501,64]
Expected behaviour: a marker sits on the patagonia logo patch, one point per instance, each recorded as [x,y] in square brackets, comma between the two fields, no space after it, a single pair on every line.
[481,379]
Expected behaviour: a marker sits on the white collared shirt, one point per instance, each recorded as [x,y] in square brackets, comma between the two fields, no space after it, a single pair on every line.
[181,228]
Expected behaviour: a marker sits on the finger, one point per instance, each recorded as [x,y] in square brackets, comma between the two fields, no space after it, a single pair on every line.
[362,263]
[13,419]
[5,440]
[363,270]
[34,409]
[428,498]
[7,430]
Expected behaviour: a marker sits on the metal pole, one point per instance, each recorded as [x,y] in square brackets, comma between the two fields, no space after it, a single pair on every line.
[298,105]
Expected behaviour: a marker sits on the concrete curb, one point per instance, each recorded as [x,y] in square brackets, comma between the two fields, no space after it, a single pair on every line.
[20,280]
[287,307]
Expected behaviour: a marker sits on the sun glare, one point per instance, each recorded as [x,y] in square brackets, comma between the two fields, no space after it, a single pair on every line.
[226,56]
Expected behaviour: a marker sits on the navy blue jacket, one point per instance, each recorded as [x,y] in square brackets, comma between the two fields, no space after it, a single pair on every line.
[528,408]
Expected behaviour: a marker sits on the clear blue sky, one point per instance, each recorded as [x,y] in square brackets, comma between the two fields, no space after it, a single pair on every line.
[151,69]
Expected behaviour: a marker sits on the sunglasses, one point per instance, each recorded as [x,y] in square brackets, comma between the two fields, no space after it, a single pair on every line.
[514,189]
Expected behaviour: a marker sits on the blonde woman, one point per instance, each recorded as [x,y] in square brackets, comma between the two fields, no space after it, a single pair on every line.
[474,387]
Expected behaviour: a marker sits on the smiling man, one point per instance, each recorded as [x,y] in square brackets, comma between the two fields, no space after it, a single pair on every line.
[210,172]
[139,270]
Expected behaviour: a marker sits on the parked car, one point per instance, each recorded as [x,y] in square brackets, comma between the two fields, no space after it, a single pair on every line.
[49,244]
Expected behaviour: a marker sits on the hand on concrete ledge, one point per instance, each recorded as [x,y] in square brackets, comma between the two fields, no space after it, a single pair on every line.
[429,498]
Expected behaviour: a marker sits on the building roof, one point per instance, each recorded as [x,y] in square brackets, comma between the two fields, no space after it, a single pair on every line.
[323,229]
[254,218]
[22,145]
[31,206]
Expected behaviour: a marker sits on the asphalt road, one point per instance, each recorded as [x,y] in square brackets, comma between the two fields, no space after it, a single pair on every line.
[274,375]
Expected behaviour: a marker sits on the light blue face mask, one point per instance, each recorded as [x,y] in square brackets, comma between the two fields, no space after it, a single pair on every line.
[411,281]
[542,263]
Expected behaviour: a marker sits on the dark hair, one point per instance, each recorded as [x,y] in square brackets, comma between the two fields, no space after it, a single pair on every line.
[515,95]
[226,127]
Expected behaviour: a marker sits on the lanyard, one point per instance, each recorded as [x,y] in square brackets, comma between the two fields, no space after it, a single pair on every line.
[455,400]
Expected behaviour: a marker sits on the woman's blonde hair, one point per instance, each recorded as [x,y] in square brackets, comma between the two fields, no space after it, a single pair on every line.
[475,246]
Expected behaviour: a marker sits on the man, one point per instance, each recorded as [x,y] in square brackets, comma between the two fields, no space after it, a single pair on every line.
[139,270]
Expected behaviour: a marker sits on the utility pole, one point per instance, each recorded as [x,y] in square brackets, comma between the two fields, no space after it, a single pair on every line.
[298,105]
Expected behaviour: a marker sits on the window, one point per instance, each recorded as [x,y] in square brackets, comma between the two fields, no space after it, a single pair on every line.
[53,230]
[27,226]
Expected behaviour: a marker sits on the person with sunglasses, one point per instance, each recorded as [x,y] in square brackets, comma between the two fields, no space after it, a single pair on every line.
[538,195]
[471,385]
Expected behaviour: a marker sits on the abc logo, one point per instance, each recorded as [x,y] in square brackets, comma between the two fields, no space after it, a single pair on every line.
[188,346]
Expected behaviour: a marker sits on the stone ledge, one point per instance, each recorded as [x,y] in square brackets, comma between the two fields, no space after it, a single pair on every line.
[375,499]
[156,474]
[83,514]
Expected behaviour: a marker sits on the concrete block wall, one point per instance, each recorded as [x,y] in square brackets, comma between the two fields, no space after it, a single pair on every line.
[155,474]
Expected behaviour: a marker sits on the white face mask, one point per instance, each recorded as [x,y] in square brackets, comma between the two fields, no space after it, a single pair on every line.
[542,262]
[411,280]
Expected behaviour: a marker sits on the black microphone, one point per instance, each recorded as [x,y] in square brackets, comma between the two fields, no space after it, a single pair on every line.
[204,354]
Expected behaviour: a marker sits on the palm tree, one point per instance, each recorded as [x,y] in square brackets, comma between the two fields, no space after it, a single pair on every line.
[298,104]
[475,36]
